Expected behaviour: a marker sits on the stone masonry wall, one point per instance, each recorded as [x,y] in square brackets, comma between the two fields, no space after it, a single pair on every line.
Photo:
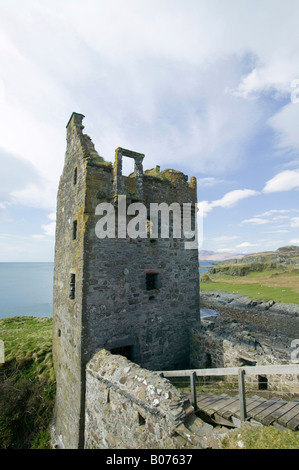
[128,407]
[67,312]
[119,311]
[247,332]
[215,349]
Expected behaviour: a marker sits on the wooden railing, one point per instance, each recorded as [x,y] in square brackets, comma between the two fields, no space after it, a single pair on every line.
[240,372]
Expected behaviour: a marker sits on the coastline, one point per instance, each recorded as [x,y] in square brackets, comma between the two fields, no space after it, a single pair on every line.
[279,322]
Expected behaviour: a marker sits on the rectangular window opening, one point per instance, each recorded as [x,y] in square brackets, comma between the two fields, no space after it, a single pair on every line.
[72,286]
[208,361]
[128,166]
[151,280]
[125,351]
[75,175]
[74,229]
[262,382]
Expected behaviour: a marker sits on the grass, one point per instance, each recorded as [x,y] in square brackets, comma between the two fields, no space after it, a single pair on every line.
[266,280]
[261,437]
[27,383]
[255,291]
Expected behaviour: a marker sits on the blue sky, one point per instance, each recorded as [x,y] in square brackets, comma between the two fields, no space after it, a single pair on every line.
[207,87]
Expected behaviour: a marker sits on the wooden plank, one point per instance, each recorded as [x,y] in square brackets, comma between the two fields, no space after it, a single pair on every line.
[218,419]
[283,410]
[229,403]
[202,399]
[255,403]
[250,404]
[267,413]
[289,415]
[234,408]
[231,410]
[215,407]
[207,403]
[220,402]
[293,424]
[261,408]
[270,418]
[226,410]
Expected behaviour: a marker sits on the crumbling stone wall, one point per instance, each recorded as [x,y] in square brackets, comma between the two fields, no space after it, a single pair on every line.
[247,332]
[128,407]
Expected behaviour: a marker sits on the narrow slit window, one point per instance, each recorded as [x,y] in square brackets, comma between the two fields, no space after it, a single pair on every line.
[74,229]
[151,281]
[75,175]
[72,286]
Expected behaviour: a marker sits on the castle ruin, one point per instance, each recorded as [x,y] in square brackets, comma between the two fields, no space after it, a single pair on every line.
[137,298]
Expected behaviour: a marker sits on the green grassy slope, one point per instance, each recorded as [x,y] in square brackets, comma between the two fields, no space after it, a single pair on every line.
[27,383]
[263,276]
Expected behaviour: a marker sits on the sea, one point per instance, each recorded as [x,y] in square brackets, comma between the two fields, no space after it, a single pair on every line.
[27,288]
[205,265]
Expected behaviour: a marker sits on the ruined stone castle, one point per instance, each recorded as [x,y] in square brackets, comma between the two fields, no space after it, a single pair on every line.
[126,308]
[135,298]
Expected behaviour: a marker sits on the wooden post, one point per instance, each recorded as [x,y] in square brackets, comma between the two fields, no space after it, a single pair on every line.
[242,397]
[193,389]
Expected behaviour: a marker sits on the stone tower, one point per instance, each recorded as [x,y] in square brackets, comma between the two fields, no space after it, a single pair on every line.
[138,297]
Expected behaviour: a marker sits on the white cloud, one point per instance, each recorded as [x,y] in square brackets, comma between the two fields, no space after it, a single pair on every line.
[34,195]
[226,238]
[294,241]
[231,198]
[246,245]
[295,222]
[164,78]
[284,181]
[276,211]
[204,207]
[209,182]
[166,74]
[284,123]
[276,231]
[38,237]
[255,221]
[49,229]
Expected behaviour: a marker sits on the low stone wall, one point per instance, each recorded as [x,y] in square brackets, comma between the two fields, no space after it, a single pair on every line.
[128,407]
[247,332]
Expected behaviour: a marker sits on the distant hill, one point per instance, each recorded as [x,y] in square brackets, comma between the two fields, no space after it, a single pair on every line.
[285,254]
[205,255]
[283,259]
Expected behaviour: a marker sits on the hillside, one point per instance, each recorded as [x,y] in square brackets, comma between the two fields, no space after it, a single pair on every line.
[261,276]
[284,255]
[27,383]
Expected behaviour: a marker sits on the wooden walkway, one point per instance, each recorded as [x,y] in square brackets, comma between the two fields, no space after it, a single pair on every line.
[225,410]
